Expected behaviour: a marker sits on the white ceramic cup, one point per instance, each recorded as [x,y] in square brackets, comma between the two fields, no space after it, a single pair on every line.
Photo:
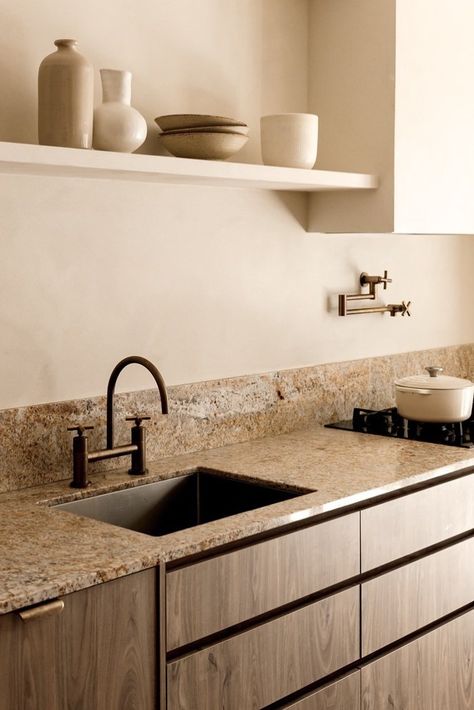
[289,139]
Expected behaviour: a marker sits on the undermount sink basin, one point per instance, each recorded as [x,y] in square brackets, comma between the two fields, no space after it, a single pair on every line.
[177,503]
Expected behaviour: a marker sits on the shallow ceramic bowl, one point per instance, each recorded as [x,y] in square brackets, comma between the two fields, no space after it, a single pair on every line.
[241,130]
[193,120]
[204,146]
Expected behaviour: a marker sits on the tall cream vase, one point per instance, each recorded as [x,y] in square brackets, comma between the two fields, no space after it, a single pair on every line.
[117,125]
[65,97]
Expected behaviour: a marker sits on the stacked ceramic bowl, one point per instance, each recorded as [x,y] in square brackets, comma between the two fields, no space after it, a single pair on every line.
[200,136]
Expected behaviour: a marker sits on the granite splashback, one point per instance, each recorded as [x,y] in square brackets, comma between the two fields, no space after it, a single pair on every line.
[35,446]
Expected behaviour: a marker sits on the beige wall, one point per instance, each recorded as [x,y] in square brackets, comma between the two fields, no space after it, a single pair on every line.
[206,282]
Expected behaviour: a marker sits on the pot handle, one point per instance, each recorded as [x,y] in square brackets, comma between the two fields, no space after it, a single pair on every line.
[415,390]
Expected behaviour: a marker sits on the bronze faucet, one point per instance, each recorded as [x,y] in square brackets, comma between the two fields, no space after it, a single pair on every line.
[136,449]
[372,282]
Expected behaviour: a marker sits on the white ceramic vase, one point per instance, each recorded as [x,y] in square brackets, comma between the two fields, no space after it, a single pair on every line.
[117,126]
[289,139]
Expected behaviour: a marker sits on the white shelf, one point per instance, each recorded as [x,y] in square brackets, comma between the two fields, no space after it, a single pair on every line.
[26,159]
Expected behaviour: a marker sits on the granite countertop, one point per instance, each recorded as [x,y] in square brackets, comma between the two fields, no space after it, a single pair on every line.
[46,552]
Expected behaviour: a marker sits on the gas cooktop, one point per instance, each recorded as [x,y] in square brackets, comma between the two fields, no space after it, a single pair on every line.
[387,422]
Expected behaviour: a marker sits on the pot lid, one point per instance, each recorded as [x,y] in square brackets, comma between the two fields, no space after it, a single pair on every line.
[434,381]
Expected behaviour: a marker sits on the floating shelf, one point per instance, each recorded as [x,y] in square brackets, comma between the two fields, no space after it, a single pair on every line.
[26,159]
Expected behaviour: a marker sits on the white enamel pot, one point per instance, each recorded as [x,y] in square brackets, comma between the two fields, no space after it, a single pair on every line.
[434,397]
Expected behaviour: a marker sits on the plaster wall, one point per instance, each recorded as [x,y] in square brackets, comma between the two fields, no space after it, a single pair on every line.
[208,283]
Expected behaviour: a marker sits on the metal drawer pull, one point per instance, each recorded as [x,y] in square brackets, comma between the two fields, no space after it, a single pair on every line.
[42,610]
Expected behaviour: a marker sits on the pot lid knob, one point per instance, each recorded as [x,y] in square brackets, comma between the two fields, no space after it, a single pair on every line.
[434,371]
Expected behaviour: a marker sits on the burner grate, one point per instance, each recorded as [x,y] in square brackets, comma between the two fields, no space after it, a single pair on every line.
[387,422]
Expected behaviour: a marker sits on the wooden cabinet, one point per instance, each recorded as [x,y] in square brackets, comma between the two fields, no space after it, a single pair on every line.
[343,694]
[265,623]
[417,594]
[224,590]
[98,653]
[415,521]
[264,664]
[237,667]
[434,672]
[392,100]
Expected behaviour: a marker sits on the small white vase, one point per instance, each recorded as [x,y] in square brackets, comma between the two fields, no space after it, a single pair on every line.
[117,126]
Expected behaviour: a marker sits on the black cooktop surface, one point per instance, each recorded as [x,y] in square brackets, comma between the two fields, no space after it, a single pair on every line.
[388,422]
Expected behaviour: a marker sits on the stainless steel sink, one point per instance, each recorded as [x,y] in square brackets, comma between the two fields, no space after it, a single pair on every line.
[177,503]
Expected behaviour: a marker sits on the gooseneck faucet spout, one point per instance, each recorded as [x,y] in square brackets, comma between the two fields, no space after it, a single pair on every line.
[131,360]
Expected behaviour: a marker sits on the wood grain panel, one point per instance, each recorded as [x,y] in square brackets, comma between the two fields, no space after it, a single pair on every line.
[343,694]
[99,653]
[270,661]
[209,596]
[406,599]
[404,525]
[162,636]
[29,673]
[125,651]
[433,672]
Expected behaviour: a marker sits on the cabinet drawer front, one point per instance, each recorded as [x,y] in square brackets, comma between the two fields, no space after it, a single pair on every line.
[214,594]
[343,694]
[406,599]
[434,672]
[402,526]
[262,665]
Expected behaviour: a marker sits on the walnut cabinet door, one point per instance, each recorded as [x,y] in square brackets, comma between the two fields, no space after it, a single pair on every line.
[93,649]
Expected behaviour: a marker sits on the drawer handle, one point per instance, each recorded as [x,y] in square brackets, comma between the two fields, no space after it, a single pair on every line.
[42,610]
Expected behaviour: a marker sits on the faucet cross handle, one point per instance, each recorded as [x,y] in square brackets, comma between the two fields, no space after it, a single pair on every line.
[137,418]
[385,280]
[80,429]
[405,308]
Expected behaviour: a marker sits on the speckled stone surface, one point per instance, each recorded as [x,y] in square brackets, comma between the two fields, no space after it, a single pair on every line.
[46,552]
[36,447]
